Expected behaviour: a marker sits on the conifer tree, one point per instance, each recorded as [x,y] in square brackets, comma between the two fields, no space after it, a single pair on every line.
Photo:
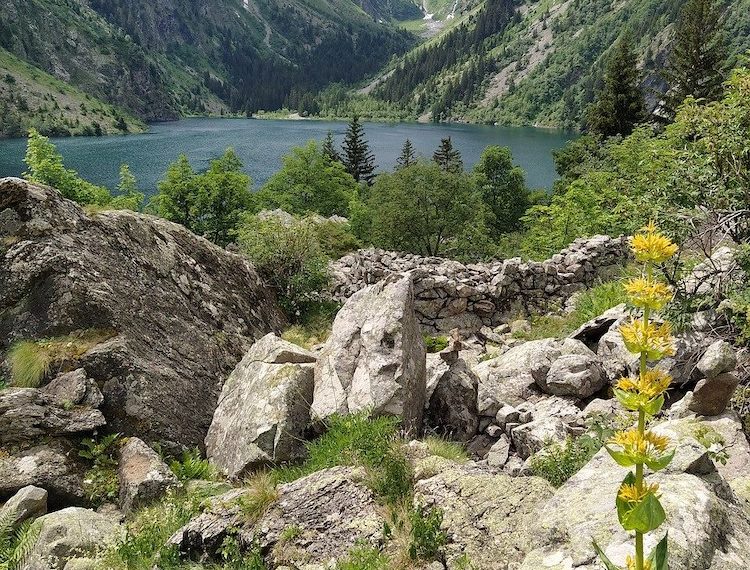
[358,159]
[408,156]
[619,106]
[329,150]
[448,157]
[696,66]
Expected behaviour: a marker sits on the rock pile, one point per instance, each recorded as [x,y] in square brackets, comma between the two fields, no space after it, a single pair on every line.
[451,295]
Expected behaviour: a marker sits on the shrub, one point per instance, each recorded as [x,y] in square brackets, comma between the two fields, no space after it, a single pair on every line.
[435,343]
[427,538]
[558,462]
[192,466]
[289,257]
[364,558]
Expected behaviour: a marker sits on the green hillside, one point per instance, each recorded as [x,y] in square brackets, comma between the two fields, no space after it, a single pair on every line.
[30,98]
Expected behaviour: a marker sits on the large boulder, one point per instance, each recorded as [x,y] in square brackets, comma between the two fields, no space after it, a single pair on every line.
[451,405]
[331,511]
[28,504]
[183,310]
[708,530]
[487,517]
[719,358]
[264,408]
[711,396]
[52,466]
[144,477]
[578,375]
[375,357]
[69,534]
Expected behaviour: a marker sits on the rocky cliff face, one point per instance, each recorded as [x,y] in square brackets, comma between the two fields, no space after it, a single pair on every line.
[177,312]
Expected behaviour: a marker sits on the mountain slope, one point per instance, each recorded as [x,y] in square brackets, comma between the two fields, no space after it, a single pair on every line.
[539,66]
[30,97]
[164,58]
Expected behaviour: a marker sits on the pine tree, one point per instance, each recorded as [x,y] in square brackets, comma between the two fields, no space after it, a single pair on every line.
[329,150]
[448,157]
[358,159]
[619,106]
[696,66]
[408,156]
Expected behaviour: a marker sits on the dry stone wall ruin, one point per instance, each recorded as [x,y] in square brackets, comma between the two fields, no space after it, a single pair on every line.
[450,294]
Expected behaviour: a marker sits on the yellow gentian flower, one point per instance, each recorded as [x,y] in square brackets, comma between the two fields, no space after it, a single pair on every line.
[641,447]
[652,384]
[630,562]
[648,293]
[652,246]
[655,340]
[631,494]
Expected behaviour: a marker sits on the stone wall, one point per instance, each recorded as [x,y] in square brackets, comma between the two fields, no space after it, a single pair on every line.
[454,295]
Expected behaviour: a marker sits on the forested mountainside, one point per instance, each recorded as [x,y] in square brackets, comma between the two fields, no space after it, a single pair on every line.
[169,58]
[533,62]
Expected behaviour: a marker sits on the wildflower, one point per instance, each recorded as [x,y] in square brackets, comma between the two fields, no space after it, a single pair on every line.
[652,246]
[631,493]
[650,385]
[641,447]
[630,562]
[648,293]
[649,338]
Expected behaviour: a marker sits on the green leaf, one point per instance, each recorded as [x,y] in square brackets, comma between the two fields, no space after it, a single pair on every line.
[658,557]
[623,507]
[622,458]
[628,400]
[660,463]
[603,557]
[645,516]
[654,406]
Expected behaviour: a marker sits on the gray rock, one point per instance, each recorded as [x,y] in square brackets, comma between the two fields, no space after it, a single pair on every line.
[375,357]
[74,389]
[264,408]
[144,477]
[603,408]
[531,437]
[486,516]
[578,375]
[185,310]
[562,408]
[68,534]
[28,503]
[591,332]
[711,396]
[451,409]
[506,414]
[27,414]
[718,358]
[499,452]
[49,466]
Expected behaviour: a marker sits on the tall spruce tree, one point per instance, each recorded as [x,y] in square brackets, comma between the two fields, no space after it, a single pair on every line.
[696,66]
[329,149]
[358,159]
[448,157]
[408,155]
[619,106]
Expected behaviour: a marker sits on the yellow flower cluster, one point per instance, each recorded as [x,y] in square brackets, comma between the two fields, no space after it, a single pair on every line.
[646,337]
[641,447]
[631,493]
[647,293]
[632,566]
[652,246]
[652,384]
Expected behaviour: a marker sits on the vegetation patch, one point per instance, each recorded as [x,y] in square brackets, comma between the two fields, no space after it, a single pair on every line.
[31,361]
[16,544]
[446,449]
[260,495]
[100,482]
[435,343]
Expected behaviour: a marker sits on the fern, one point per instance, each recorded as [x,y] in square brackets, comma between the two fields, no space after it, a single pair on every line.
[16,545]
[192,466]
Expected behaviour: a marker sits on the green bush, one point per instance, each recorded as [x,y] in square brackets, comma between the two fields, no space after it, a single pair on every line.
[192,466]
[100,482]
[289,257]
[427,537]
[435,343]
[364,558]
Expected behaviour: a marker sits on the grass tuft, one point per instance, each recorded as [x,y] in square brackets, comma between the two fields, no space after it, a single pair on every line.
[261,494]
[451,450]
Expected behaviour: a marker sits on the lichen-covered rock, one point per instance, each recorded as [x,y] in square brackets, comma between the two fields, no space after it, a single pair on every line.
[68,534]
[331,511]
[183,309]
[451,406]
[578,375]
[718,359]
[51,466]
[711,396]
[28,503]
[487,517]
[375,357]
[27,414]
[144,477]
[264,408]
[707,527]
[531,437]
